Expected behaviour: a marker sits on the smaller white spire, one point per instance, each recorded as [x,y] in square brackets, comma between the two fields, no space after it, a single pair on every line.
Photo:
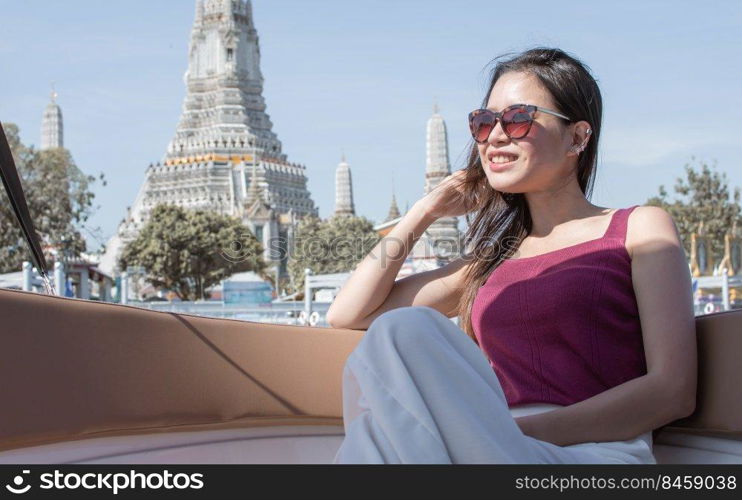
[344,189]
[437,165]
[52,129]
[436,169]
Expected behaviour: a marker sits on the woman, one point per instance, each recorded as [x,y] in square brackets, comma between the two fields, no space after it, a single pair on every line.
[578,330]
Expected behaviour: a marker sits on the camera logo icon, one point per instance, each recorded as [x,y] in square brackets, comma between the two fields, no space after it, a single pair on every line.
[19,489]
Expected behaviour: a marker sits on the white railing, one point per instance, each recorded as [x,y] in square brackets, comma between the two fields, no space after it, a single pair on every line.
[314,282]
[310,312]
[287,313]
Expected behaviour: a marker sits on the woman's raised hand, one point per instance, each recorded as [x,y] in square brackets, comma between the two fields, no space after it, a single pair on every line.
[447,198]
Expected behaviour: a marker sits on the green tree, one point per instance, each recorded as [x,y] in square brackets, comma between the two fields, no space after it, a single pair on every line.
[335,245]
[188,251]
[703,195]
[59,199]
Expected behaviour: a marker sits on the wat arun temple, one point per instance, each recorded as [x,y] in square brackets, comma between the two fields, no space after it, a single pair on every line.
[225,157]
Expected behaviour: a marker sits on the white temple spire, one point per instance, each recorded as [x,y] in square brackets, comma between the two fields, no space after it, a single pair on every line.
[224,110]
[344,189]
[224,140]
[437,165]
[52,130]
[443,232]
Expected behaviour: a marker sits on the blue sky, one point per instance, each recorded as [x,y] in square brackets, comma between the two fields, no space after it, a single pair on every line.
[361,77]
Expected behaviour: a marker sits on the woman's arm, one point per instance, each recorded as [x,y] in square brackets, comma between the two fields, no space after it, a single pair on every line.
[662,285]
[372,280]
[372,290]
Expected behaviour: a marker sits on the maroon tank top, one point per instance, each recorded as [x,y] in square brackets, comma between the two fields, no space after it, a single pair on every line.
[563,326]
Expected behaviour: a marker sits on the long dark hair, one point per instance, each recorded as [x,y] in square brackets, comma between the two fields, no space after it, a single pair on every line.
[500,221]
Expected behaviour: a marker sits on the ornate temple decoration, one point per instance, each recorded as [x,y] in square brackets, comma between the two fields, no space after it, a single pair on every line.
[732,260]
[701,257]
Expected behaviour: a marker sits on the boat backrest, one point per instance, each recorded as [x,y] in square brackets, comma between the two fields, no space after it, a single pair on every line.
[719,396]
[74,368]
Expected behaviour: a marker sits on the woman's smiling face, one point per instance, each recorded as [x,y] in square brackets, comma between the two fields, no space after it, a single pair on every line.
[542,159]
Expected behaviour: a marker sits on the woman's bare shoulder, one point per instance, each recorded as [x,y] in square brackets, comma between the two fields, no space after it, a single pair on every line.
[648,223]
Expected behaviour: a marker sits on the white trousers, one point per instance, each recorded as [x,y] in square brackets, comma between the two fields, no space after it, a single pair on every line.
[417,389]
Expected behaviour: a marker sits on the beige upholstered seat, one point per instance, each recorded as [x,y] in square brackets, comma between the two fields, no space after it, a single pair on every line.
[88,382]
